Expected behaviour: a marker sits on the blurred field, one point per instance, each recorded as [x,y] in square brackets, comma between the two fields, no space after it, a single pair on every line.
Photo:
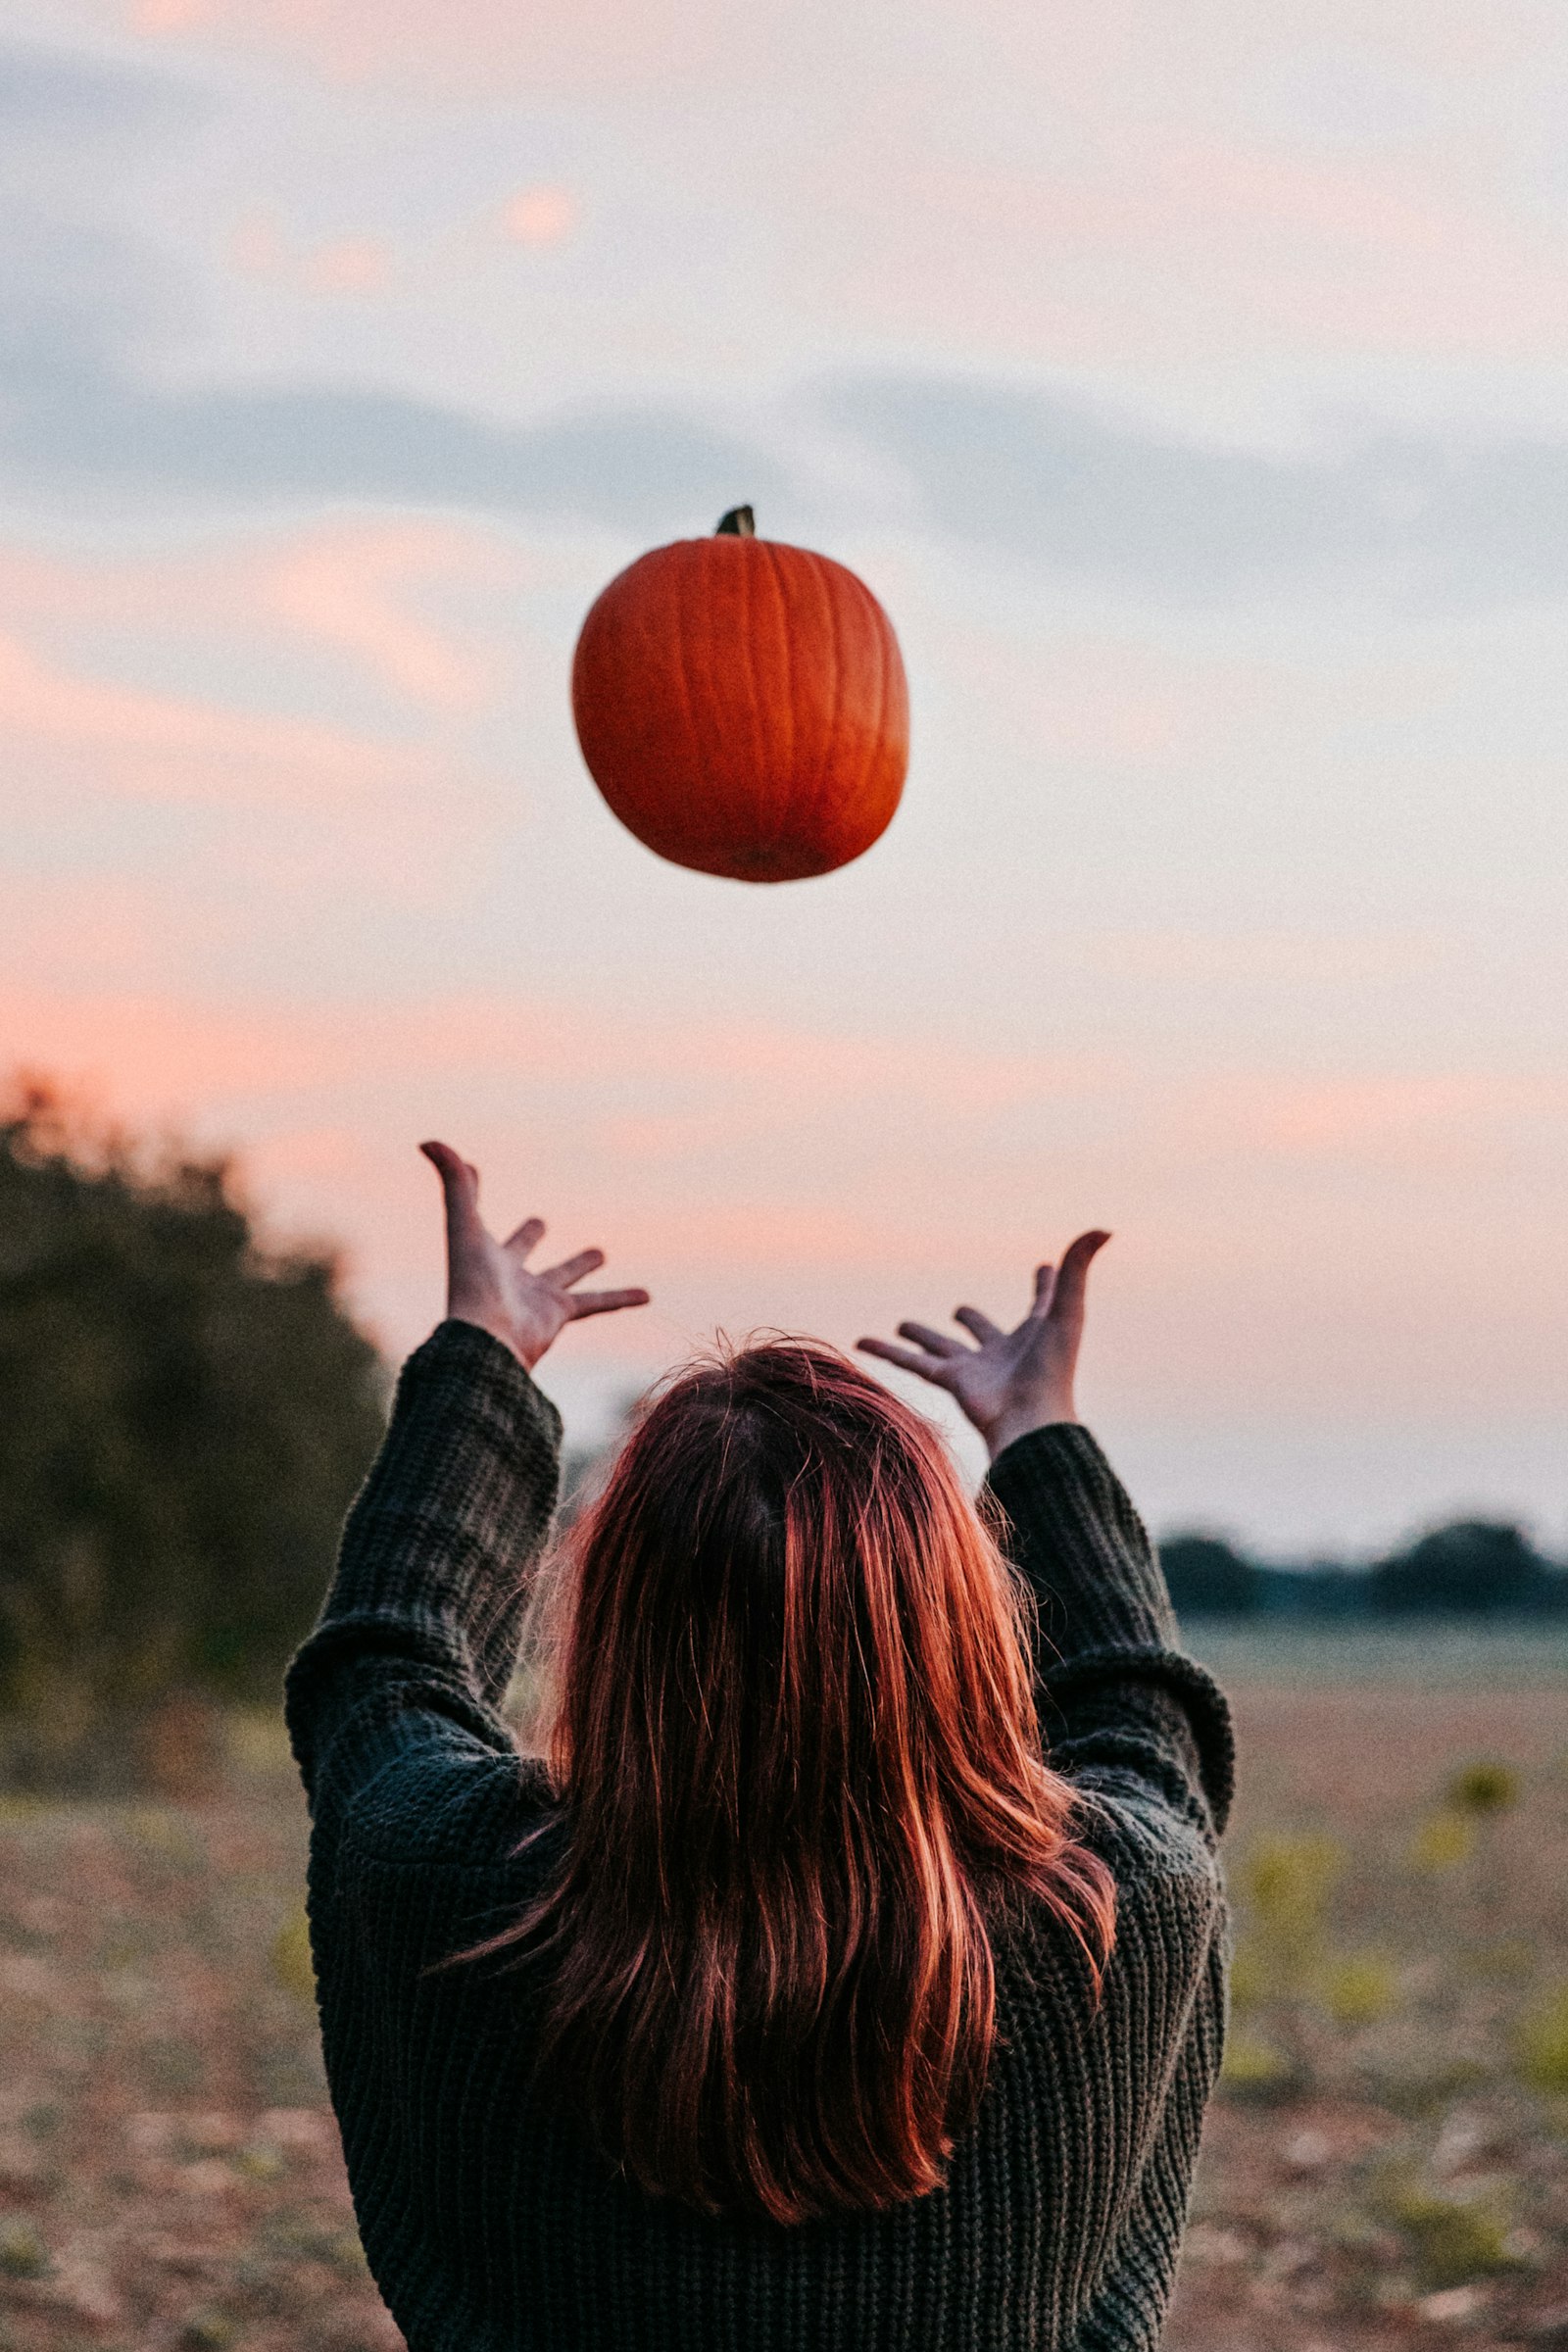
[1387,2162]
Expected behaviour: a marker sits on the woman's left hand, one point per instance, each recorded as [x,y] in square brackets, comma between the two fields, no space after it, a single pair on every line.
[1010,1382]
[490,1283]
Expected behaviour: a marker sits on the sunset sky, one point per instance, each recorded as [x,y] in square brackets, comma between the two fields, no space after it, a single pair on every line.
[1190,384]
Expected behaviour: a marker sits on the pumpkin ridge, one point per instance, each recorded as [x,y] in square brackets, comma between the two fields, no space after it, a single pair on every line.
[830,587]
[873,742]
[827,766]
[775,572]
[677,637]
[765,840]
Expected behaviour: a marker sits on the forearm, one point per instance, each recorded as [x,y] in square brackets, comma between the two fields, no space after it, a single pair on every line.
[1080,1543]
[436,1550]
[1115,1691]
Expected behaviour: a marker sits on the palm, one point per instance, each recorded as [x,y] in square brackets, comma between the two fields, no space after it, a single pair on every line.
[1008,1382]
[491,1283]
[984,1377]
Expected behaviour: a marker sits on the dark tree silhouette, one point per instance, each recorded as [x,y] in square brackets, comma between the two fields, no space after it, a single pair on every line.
[1474,1567]
[1209,1578]
[184,1415]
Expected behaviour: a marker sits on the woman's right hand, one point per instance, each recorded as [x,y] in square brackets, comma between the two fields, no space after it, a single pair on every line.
[1010,1382]
[491,1284]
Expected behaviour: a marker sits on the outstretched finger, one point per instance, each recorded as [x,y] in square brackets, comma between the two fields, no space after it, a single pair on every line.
[935,1369]
[459,1185]
[527,1234]
[1072,1276]
[979,1326]
[602,1303]
[572,1270]
[1045,1289]
[935,1342]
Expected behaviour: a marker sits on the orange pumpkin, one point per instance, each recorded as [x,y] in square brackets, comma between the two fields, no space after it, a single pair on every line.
[741,705]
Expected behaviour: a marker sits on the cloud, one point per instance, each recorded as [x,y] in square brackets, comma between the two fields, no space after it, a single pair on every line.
[265,802]
[539,216]
[55,93]
[168,748]
[357,587]
[1031,475]
[247,802]
[86,309]
[547,44]
[1070,489]
[1464,1119]
[90,932]
[1178,239]
[74,304]
[260,249]
[347,586]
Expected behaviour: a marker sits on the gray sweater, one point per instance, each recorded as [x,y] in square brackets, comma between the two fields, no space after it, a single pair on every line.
[489,2224]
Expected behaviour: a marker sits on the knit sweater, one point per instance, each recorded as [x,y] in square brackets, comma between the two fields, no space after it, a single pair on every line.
[489,2222]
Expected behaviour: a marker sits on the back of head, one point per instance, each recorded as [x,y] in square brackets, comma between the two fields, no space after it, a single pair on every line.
[795,1735]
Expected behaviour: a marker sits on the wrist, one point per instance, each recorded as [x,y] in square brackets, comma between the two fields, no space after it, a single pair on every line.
[495,1327]
[1008,1427]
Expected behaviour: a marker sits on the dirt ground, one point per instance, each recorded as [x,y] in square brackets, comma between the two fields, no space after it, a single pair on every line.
[1386,2162]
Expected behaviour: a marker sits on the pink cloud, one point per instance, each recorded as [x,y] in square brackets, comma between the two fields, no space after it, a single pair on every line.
[1284,1246]
[354,586]
[164,747]
[328,1102]
[539,216]
[551,44]
[346,265]
[1408,1118]
[98,931]
[174,1052]
[1087,53]
[403,823]
[1173,238]
[403,810]
[348,585]
[1100,44]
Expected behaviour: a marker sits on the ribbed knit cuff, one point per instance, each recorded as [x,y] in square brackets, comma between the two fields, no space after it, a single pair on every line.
[1076,1537]
[1143,1688]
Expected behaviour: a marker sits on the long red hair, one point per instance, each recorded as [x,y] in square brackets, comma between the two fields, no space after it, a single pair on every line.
[791,1720]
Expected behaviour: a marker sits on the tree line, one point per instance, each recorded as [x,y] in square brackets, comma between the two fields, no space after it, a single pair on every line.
[185,1413]
[1469,1568]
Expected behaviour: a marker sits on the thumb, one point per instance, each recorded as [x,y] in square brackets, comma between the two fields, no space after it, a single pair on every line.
[459,1183]
[1072,1275]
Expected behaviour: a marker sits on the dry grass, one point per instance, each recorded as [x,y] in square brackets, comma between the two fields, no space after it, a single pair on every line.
[1387,2164]
[1388,2161]
[169,2173]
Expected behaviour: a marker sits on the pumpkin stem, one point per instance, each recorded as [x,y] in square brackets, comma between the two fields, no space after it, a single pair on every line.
[739,524]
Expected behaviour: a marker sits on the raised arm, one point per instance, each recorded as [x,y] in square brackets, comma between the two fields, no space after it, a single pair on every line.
[418,1636]
[1118,1699]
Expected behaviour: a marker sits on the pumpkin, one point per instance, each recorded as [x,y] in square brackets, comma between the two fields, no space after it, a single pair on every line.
[741,705]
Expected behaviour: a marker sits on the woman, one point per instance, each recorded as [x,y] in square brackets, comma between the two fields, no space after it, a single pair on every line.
[793,2000]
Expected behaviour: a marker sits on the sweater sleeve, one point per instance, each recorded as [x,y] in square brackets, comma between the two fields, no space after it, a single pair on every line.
[1117,1696]
[420,1632]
